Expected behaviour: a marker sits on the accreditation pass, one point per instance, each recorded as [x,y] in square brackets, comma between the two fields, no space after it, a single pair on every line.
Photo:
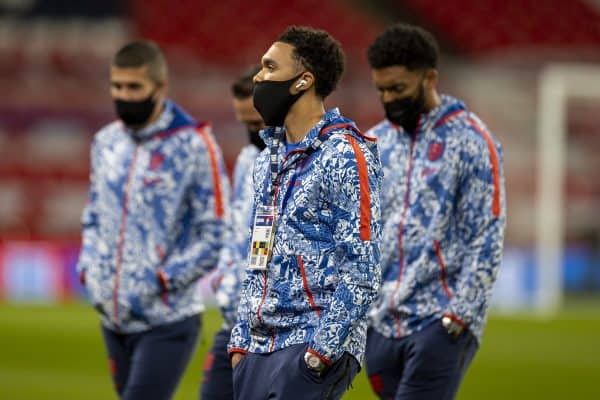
[263,233]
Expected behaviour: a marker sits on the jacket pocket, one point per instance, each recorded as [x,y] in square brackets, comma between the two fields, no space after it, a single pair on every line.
[306,286]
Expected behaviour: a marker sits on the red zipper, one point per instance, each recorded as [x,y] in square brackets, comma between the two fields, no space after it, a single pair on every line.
[130,171]
[438,253]
[400,234]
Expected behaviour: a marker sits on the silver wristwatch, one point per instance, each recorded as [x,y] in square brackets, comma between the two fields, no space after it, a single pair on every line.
[314,363]
[453,327]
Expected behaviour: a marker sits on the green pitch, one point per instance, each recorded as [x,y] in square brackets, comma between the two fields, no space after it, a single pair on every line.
[56,352]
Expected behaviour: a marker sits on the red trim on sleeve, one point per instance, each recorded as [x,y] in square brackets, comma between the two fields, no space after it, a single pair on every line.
[495,165]
[219,211]
[365,195]
[234,350]
[311,300]
[322,358]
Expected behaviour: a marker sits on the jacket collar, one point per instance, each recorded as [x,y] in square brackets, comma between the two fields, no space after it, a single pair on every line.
[429,120]
[331,117]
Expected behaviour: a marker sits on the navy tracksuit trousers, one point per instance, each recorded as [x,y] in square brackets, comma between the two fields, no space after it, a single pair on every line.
[148,365]
[217,383]
[283,375]
[427,365]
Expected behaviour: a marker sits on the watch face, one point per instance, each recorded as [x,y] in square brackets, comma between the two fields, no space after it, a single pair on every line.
[313,362]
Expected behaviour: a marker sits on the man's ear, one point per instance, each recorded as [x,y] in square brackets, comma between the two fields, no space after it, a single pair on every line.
[304,82]
[431,79]
[163,87]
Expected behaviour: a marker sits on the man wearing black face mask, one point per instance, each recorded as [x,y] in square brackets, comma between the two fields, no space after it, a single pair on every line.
[444,213]
[313,268]
[152,227]
[217,382]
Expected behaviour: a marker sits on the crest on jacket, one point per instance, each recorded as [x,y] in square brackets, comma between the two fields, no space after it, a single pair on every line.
[435,151]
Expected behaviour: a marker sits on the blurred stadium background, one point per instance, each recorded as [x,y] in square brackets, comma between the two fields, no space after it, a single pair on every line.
[529,68]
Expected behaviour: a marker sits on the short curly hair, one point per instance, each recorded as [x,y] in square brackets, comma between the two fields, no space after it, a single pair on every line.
[403,44]
[318,52]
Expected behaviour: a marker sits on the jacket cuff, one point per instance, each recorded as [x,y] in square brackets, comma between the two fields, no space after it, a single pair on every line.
[234,350]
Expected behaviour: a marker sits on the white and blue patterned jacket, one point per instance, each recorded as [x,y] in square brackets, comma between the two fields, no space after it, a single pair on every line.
[444,213]
[234,254]
[154,221]
[324,274]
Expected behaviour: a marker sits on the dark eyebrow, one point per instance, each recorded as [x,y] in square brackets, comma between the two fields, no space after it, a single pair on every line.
[392,86]
[129,84]
[266,60]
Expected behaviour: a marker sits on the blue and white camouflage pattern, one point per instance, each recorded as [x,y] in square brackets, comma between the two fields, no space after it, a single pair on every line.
[444,212]
[234,254]
[324,274]
[154,220]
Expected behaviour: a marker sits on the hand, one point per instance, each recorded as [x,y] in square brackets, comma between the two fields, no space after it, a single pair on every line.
[236,358]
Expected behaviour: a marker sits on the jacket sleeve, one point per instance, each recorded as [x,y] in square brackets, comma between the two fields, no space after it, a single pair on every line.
[208,205]
[240,334]
[481,215]
[227,286]
[89,222]
[354,191]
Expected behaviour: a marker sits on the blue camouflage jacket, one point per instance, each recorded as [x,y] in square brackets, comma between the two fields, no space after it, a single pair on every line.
[324,274]
[444,213]
[153,224]
[234,254]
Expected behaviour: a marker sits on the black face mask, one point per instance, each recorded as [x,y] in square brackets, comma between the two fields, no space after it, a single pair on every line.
[255,139]
[273,100]
[135,113]
[406,111]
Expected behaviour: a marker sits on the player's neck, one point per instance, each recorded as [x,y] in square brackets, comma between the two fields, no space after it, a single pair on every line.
[303,116]
[433,101]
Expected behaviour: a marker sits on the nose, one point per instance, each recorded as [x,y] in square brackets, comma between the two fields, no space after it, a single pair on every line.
[258,77]
[387,96]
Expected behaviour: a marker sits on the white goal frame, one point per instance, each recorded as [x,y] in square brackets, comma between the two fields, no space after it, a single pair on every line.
[558,83]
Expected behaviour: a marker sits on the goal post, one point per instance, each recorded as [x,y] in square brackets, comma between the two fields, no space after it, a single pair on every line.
[558,83]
